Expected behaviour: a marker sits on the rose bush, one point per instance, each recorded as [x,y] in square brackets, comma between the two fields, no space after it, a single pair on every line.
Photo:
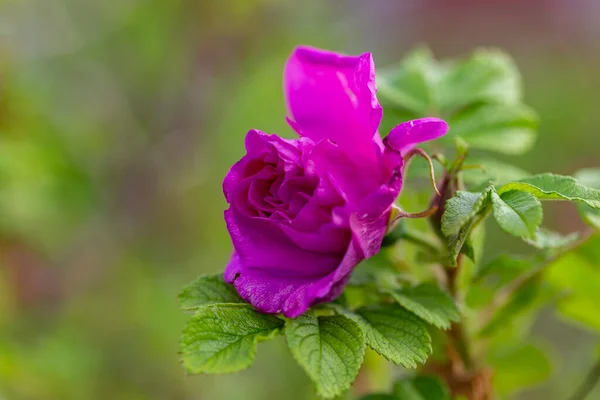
[304,212]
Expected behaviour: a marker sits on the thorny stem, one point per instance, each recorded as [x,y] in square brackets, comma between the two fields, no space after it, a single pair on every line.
[459,353]
[457,331]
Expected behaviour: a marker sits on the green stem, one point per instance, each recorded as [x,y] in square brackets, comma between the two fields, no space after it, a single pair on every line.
[461,345]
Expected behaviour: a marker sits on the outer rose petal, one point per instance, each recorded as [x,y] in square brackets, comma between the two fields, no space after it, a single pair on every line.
[233,268]
[291,295]
[332,96]
[369,193]
[261,244]
[409,134]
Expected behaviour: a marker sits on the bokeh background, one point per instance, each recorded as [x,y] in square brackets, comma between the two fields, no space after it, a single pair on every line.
[118,121]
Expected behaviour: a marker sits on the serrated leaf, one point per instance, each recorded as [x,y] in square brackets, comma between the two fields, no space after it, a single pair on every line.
[394,333]
[223,338]
[458,210]
[502,128]
[208,289]
[329,348]
[519,366]
[591,178]
[462,213]
[556,187]
[430,303]
[518,213]
[422,387]
[459,243]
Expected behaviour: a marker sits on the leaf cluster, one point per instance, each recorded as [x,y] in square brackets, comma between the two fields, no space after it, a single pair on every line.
[329,342]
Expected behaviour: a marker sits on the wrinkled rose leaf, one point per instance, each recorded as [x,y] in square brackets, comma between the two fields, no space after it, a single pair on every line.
[329,348]
[223,338]
[518,213]
[395,333]
[430,303]
[555,187]
[208,289]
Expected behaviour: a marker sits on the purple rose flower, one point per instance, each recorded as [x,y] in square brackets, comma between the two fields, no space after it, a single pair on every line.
[304,212]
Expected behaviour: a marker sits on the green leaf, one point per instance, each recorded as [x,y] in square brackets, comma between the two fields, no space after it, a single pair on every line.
[519,366]
[421,388]
[502,128]
[459,243]
[462,213]
[555,187]
[329,348]
[208,289]
[223,338]
[459,209]
[545,239]
[480,98]
[488,76]
[394,333]
[379,396]
[518,213]
[409,86]
[591,178]
[430,303]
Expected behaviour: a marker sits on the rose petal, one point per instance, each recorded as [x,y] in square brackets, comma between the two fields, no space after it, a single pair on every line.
[261,244]
[328,239]
[370,220]
[293,295]
[352,178]
[369,223]
[332,96]
[408,134]
[233,268]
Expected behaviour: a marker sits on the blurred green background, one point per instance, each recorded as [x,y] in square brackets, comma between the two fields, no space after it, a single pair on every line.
[118,121]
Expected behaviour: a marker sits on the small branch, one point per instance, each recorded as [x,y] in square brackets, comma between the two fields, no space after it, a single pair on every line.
[461,345]
[422,214]
[591,380]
